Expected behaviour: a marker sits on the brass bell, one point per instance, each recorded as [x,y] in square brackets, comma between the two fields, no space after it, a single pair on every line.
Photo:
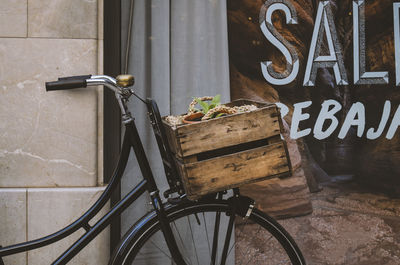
[125,80]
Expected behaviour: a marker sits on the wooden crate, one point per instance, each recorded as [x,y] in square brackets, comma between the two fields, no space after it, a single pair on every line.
[229,151]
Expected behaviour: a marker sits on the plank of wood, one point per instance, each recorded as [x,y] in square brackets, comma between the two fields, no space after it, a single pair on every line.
[227,131]
[170,131]
[242,101]
[233,170]
[175,132]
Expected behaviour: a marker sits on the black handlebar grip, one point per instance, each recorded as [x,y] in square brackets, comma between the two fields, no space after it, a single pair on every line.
[84,77]
[65,84]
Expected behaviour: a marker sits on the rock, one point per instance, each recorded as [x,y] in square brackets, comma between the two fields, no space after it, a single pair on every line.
[375,163]
[287,197]
[349,226]
[281,198]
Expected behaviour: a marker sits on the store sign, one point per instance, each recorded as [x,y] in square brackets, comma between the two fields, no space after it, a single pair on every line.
[325,31]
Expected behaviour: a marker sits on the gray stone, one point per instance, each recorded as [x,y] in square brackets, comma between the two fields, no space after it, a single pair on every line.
[47,139]
[62,19]
[13,221]
[51,209]
[13,18]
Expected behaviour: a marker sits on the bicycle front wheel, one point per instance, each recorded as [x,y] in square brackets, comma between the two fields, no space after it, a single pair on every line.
[203,236]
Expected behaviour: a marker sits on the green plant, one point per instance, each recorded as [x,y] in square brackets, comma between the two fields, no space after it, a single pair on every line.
[215,101]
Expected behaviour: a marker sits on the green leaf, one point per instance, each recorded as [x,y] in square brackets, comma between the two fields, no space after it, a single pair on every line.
[219,115]
[216,100]
[204,105]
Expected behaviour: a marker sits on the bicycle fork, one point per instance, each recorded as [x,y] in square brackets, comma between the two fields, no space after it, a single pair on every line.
[154,192]
[166,228]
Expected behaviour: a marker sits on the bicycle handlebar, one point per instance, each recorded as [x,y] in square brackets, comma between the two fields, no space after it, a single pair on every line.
[82,81]
[120,86]
[64,84]
[75,77]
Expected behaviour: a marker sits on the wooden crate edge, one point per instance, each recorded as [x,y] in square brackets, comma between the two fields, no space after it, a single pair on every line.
[280,175]
[285,172]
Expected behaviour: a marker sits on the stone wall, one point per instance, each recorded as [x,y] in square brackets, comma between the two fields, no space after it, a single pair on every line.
[50,143]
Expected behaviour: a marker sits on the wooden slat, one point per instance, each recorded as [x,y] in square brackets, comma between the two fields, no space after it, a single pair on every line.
[227,131]
[176,134]
[171,136]
[228,171]
[241,101]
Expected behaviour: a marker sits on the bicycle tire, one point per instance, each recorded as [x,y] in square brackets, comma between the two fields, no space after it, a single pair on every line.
[141,234]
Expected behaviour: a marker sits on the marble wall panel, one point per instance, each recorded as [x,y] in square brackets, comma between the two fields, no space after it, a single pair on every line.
[50,209]
[13,221]
[100,19]
[47,139]
[62,19]
[13,18]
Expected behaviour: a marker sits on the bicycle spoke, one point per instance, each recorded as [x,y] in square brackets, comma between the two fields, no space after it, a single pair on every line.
[215,238]
[194,245]
[242,242]
[240,233]
[151,242]
[183,245]
[208,240]
[227,239]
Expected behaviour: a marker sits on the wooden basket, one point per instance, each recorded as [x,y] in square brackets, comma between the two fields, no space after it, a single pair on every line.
[229,151]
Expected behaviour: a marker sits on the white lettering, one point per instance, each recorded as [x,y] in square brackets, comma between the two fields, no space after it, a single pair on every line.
[297,117]
[360,75]
[283,109]
[327,113]
[394,125]
[385,117]
[357,109]
[269,31]
[324,24]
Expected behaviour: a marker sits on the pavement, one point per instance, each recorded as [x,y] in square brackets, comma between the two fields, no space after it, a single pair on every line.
[350,225]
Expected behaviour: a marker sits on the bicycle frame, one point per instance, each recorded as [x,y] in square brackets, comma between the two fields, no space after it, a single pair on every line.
[131,140]
[238,205]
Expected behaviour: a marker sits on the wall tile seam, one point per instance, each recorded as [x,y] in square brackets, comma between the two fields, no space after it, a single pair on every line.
[44,188]
[47,38]
[97,113]
[100,19]
[100,106]
[65,189]
[26,191]
[14,188]
[28,23]
[27,35]
[97,39]
[26,226]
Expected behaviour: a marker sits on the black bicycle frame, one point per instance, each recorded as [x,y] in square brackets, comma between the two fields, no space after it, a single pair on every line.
[131,140]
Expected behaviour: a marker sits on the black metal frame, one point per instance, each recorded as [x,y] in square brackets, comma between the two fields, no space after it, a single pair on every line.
[238,205]
[131,140]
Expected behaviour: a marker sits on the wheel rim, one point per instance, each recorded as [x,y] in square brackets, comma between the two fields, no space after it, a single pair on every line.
[250,242]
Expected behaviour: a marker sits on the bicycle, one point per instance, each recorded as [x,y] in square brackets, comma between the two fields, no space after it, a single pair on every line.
[208,223]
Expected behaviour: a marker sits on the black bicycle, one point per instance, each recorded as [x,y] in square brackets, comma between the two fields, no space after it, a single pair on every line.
[220,228]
